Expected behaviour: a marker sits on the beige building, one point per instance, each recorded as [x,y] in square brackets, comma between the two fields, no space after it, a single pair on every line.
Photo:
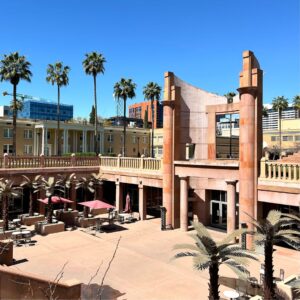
[290,135]
[158,141]
[137,141]
[40,137]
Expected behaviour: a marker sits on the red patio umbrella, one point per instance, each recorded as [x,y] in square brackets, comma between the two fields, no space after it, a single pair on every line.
[56,199]
[95,204]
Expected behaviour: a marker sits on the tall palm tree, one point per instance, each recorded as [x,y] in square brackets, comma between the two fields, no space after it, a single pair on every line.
[279,104]
[208,254]
[52,187]
[277,227]
[94,65]
[14,68]
[7,191]
[88,186]
[296,104]
[124,89]
[58,74]
[97,180]
[151,92]
[33,186]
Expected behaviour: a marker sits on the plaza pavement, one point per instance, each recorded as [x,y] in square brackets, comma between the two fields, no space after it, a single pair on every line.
[142,268]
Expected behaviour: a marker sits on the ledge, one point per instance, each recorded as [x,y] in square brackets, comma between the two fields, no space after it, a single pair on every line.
[208,163]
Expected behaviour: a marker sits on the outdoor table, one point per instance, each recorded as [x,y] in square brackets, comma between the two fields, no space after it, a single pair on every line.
[26,234]
[16,235]
[16,221]
[231,294]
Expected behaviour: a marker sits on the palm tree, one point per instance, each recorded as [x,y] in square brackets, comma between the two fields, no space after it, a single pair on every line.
[66,182]
[14,68]
[124,89]
[51,187]
[229,96]
[208,254]
[265,113]
[58,74]
[7,191]
[33,185]
[274,229]
[97,180]
[279,104]
[151,92]
[87,185]
[296,104]
[94,65]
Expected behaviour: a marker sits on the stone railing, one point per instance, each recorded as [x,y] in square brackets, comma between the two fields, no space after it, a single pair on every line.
[20,162]
[142,163]
[279,171]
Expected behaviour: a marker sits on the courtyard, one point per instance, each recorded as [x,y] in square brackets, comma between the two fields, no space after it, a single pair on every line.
[142,268]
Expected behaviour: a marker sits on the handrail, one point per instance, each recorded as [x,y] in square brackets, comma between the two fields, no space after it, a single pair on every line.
[279,171]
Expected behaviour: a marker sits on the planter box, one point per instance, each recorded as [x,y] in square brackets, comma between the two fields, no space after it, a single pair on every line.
[6,252]
[68,217]
[6,235]
[51,228]
[1,223]
[28,221]
[85,222]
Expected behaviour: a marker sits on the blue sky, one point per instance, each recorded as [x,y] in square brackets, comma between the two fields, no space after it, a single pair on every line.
[201,41]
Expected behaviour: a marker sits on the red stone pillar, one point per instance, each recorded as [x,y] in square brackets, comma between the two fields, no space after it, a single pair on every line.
[119,196]
[183,203]
[247,180]
[231,206]
[168,160]
[142,202]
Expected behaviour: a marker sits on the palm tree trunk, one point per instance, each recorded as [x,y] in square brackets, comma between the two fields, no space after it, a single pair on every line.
[279,127]
[96,118]
[50,211]
[58,122]
[14,150]
[214,282]
[152,129]
[30,204]
[85,209]
[269,287]
[5,212]
[124,127]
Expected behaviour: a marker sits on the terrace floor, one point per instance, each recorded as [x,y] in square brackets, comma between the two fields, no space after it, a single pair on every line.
[142,268]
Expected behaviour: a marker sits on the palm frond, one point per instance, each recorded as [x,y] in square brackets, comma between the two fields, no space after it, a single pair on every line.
[274,216]
[255,222]
[239,270]
[288,231]
[186,246]
[232,236]
[184,254]
[201,229]
[199,243]
[201,262]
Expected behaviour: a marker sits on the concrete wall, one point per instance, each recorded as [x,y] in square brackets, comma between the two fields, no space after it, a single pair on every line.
[15,284]
[192,118]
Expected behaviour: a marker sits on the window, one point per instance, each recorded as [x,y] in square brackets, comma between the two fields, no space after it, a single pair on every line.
[110,150]
[110,138]
[287,138]
[133,139]
[144,139]
[27,134]
[274,138]
[27,149]
[7,148]
[159,151]
[8,133]
[297,138]
[145,152]
[159,139]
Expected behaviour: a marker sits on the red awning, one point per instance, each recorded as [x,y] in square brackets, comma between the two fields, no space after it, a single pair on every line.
[56,199]
[95,204]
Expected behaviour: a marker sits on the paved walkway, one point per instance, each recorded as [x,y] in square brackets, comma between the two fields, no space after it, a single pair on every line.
[142,268]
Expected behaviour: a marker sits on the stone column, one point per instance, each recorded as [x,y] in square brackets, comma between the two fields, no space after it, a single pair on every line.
[246,158]
[183,203]
[231,206]
[43,141]
[119,202]
[46,141]
[142,202]
[73,195]
[55,142]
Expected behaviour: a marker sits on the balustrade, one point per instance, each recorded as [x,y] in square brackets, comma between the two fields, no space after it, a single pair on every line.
[280,171]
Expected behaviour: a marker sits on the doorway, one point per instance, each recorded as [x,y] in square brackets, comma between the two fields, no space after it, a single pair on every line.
[218,209]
